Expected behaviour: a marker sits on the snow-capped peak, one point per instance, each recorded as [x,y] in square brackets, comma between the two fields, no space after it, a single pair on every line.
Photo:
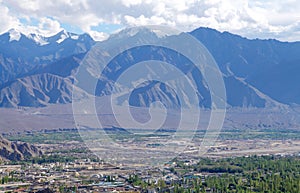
[63,36]
[130,32]
[41,40]
[38,39]
[14,35]
[145,31]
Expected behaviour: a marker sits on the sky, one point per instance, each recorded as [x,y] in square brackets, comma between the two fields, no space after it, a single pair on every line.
[265,19]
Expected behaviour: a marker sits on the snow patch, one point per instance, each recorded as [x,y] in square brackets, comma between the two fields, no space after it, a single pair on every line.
[38,39]
[143,32]
[74,37]
[130,32]
[14,35]
[64,35]
[163,34]
[62,38]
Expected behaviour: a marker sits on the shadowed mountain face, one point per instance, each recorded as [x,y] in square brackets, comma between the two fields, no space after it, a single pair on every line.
[268,65]
[36,71]
[152,91]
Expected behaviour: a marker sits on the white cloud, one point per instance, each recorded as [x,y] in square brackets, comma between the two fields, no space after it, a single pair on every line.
[251,18]
[49,26]
[129,3]
[7,21]
[98,35]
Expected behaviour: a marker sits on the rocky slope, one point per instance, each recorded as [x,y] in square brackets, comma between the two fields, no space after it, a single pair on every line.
[37,91]
[21,54]
[16,151]
[37,71]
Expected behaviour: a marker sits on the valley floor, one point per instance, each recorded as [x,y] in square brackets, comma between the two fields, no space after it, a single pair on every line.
[266,161]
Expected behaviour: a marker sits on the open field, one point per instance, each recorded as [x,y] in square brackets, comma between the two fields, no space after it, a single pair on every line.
[61,116]
[244,132]
[235,143]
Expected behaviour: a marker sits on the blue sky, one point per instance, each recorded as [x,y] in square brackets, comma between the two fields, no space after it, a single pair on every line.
[249,18]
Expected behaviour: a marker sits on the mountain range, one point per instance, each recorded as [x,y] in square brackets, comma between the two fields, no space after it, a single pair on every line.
[37,71]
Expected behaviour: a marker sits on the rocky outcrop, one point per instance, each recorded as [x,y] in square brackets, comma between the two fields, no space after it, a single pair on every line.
[16,151]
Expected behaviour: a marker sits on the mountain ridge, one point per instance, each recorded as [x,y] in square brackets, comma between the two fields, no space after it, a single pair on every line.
[247,67]
[25,55]
[17,151]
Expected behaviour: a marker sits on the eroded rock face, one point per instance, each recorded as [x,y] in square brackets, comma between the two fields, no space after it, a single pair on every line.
[16,151]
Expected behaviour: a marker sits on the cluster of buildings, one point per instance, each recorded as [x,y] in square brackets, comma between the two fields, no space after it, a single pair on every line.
[78,176]
[81,176]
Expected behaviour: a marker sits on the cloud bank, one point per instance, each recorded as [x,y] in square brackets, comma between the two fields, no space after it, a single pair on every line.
[250,18]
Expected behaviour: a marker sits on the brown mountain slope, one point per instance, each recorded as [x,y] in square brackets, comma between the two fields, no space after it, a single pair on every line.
[16,151]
